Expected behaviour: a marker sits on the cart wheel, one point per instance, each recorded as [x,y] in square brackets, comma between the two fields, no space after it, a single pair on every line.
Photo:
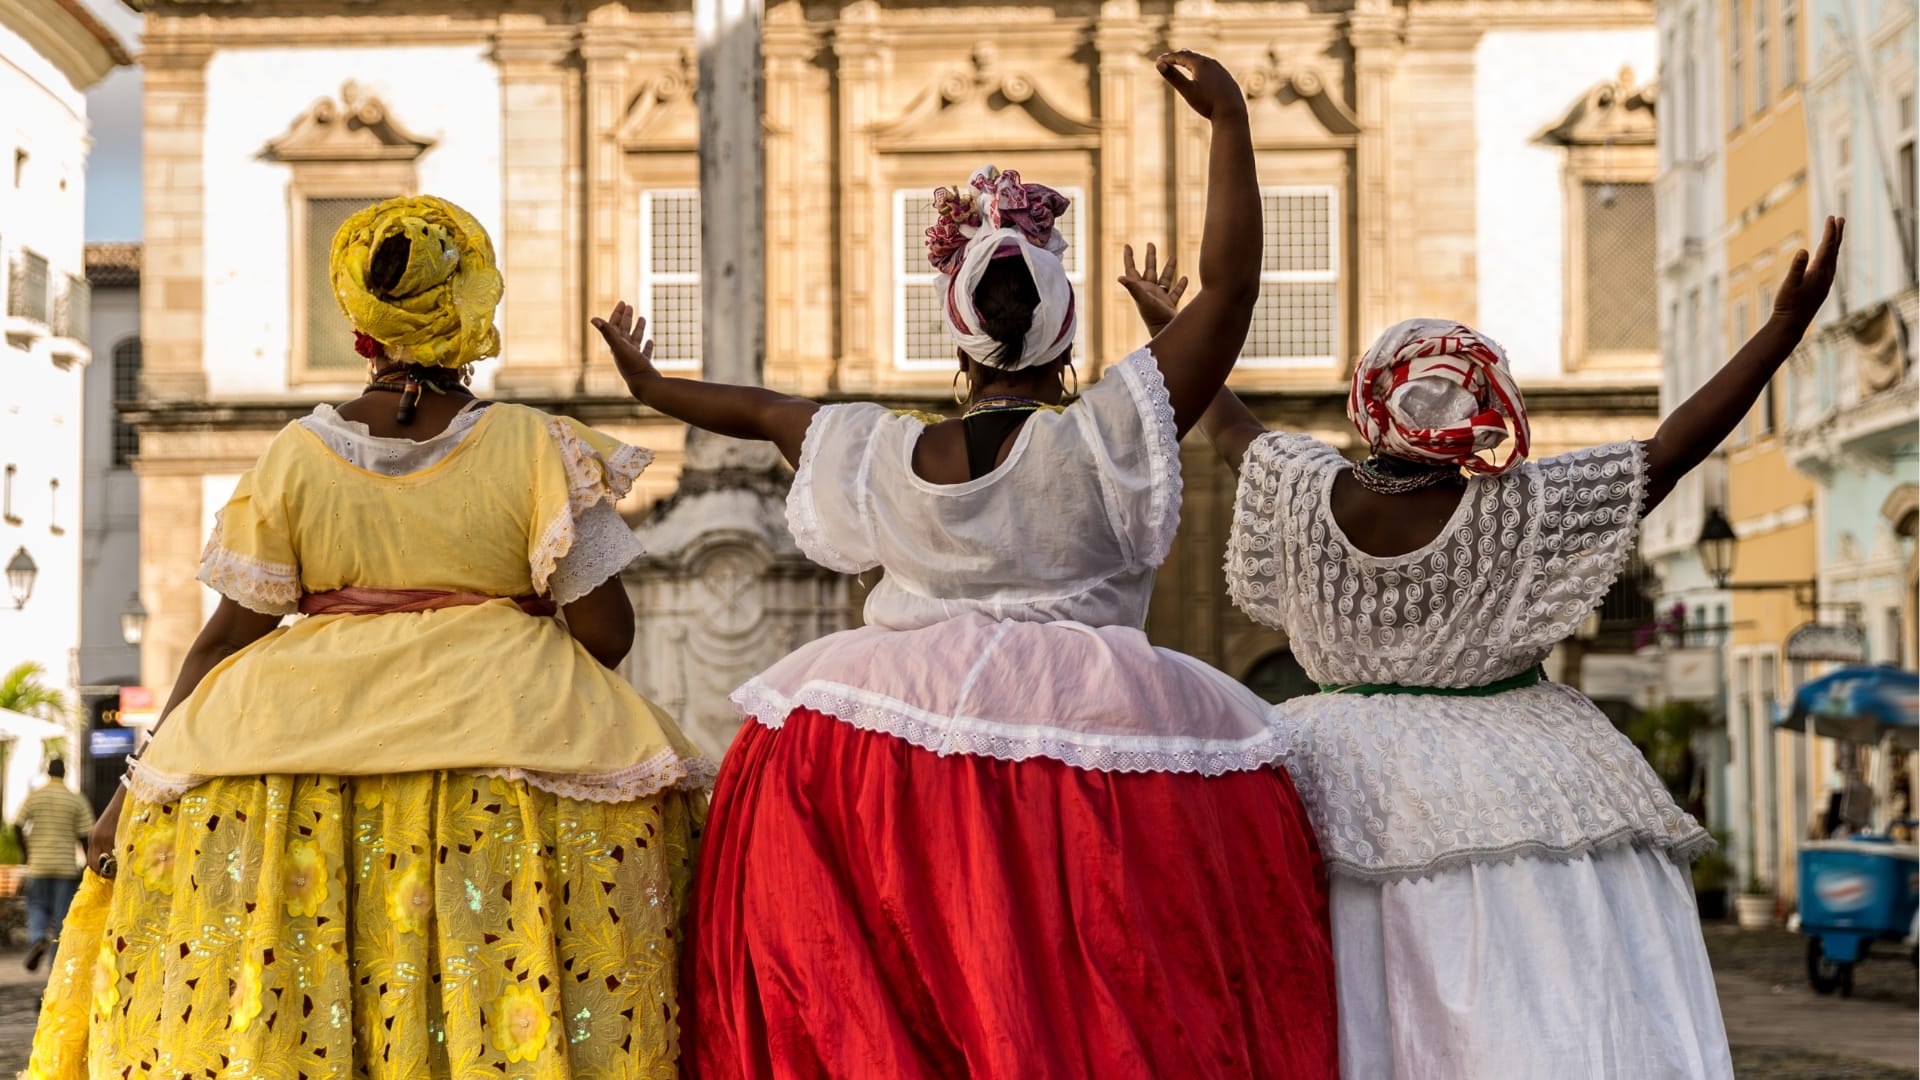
[1846,980]
[1825,974]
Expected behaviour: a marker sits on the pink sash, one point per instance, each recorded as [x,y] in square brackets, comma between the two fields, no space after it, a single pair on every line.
[367,600]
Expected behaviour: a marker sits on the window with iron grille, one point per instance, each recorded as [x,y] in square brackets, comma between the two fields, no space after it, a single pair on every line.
[920,340]
[1762,74]
[1736,71]
[329,337]
[1621,294]
[126,390]
[73,310]
[669,292]
[27,286]
[1297,317]
[1789,43]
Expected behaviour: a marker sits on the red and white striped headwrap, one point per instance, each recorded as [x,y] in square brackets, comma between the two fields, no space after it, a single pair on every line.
[1434,390]
[998,216]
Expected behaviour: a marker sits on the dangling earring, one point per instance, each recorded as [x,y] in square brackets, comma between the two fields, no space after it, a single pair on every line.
[960,397]
[1075,392]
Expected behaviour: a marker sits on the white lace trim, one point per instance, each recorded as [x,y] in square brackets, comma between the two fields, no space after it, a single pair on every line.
[803,512]
[591,479]
[269,588]
[1149,387]
[946,735]
[603,546]
[663,770]
[355,442]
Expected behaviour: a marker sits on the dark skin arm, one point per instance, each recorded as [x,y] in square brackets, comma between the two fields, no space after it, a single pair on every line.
[1228,424]
[1704,420]
[602,622]
[231,629]
[1199,346]
[738,412]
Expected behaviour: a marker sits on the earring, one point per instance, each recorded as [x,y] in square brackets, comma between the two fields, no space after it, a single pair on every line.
[1075,392]
[960,397]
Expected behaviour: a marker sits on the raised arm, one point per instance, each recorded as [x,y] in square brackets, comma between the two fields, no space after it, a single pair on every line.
[1704,420]
[1228,424]
[738,412]
[1198,348]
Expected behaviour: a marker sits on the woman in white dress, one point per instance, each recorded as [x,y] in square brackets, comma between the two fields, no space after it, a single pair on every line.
[1510,893]
[995,832]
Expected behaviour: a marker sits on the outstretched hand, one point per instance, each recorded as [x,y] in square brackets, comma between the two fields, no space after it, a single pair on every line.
[1156,292]
[626,335]
[1809,280]
[1202,81]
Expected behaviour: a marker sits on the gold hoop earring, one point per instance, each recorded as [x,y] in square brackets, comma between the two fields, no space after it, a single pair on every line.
[959,397]
[1075,392]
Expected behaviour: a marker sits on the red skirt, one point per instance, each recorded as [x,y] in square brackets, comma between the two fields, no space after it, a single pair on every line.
[866,908]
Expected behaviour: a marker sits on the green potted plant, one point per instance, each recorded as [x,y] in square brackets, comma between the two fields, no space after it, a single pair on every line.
[1753,908]
[1711,873]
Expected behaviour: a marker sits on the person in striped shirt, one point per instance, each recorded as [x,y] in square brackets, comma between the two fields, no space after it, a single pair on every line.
[56,820]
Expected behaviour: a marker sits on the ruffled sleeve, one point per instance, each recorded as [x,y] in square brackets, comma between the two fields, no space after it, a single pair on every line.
[1268,516]
[579,539]
[827,507]
[1126,420]
[1586,514]
[250,558]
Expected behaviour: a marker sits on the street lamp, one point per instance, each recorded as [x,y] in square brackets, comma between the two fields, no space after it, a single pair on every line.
[21,571]
[133,621]
[1716,546]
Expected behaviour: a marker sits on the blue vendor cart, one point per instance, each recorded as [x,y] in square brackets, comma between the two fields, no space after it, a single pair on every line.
[1865,889]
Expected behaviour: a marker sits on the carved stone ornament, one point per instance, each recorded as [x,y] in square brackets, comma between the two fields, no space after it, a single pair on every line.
[1289,84]
[1618,112]
[661,114]
[989,91]
[358,127]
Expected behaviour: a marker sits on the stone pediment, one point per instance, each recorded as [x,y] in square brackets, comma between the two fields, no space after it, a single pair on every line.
[984,104]
[357,127]
[1618,112]
[662,115]
[1291,102]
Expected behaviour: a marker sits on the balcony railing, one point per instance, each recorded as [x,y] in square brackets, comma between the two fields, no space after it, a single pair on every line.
[73,310]
[27,287]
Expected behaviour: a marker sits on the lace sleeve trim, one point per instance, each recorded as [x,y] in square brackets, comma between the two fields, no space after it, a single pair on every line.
[1148,386]
[603,546]
[663,770]
[803,511]
[1588,506]
[1252,562]
[269,588]
[591,479]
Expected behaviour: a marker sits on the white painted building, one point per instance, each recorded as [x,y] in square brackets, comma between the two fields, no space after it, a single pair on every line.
[51,51]
[110,516]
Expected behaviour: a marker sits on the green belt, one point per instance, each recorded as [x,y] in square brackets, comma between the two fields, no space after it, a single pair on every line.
[1533,676]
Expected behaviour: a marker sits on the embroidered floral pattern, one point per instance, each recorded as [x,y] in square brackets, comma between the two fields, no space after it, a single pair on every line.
[591,480]
[1403,786]
[555,955]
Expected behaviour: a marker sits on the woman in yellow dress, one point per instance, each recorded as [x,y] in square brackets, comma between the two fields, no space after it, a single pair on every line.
[425,830]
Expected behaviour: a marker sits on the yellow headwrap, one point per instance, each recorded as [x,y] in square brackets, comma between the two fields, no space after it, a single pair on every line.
[441,312]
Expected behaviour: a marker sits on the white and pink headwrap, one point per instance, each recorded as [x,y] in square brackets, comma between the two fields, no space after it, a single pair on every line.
[997,216]
[1434,390]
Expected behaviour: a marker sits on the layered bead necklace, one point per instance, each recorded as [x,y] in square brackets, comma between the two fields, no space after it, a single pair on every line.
[1397,476]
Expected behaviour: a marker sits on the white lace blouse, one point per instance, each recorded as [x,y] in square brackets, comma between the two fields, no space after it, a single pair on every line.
[1404,785]
[1009,621]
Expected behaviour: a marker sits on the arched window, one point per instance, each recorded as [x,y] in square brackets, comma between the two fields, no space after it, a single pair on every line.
[1277,676]
[126,390]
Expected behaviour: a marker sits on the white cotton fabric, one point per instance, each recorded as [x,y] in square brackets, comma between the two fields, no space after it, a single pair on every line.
[1008,624]
[603,543]
[1592,969]
[1054,320]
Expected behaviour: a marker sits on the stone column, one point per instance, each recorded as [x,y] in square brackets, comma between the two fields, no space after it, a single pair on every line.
[722,591]
[539,241]
[1120,39]
[173,285]
[1375,43]
[856,48]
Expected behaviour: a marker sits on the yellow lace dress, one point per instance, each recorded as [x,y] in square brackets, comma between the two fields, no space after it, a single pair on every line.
[429,844]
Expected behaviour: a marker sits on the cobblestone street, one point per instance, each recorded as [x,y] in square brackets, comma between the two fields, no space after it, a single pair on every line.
[1780,1029]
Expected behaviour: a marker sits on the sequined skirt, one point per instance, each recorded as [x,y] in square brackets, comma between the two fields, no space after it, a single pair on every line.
[421,925]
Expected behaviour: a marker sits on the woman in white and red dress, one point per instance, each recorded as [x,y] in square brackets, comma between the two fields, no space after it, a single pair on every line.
[995,832]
